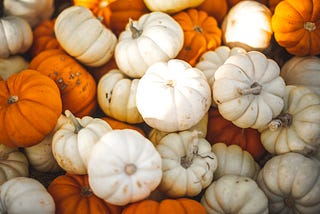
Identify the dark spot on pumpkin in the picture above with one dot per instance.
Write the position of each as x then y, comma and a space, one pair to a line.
233, 22
246, 180
71, 76
84, 88
237, 182
78, 82
187, 48
125, 189
139, 184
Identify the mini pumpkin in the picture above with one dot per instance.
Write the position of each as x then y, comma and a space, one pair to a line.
248, 89
154, 37
11, 65
235, 194
72, 194
25, 195
188, 164
77, 86
296, 26
72, 142
216, 9
171, 6
299, 191
84, 37
116, 95
173, 88
201, 33
29, 102
297, 128
124, 167
247, 25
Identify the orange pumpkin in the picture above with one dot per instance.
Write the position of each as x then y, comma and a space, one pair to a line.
30, 106
216, 9
77, 86
72, 194
296, 26
44, 38
116, 124
272, 4
92, 3
115, 15
98, 72
222, 130
201, 33
168, 206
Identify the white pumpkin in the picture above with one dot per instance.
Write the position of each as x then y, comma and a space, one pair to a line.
248, 90
291, 183
302, 71
72, 142
235, 194
124, 167
173, 96
233, 160
25, 195
40, 156
188, 164
155, 37
13, 163
116, 95
297, 128
11, 65
247, 25
84, 37
16, 36
33, 11
171, 6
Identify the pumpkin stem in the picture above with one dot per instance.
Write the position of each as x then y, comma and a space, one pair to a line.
283, 120
77, 125
13, 99
186, 161
310, 26
130, 169
197, 29
135, 33
86, 191
289, 202
254, 89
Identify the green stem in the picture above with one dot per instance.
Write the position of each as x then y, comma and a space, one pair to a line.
77, 125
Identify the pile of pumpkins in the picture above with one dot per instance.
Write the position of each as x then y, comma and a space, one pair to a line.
145, 106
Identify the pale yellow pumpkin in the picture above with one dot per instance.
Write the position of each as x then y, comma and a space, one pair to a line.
11, 65
171, 6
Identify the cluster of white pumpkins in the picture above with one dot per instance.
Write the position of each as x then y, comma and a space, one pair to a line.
172, 98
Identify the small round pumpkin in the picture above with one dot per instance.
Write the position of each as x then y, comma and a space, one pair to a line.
296, 26
11, 65
179, 205
171, 6
72, 194
77, 86
201, 33
248, 89
84, 37
29, 102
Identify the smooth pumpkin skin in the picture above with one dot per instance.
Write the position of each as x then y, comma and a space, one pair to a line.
201, 33
217, 9
27, 120
43, 38
72, 194
222, 130
117, 124
296, 26
77, 86
179, 205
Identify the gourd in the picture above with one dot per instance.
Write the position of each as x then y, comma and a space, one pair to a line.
72, 194
296, 26
124, 167
11, 65
235, 194
248, 89
302, 71
116, 95
247, 25
171, 6
40, 156
232, 160
84, 37
173, 88
72, 142
154, 37
25, 195
188, 164
33, 11
297, 128
179, 205
201, 33
29, 102
13, 163
299, 191
16, 36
